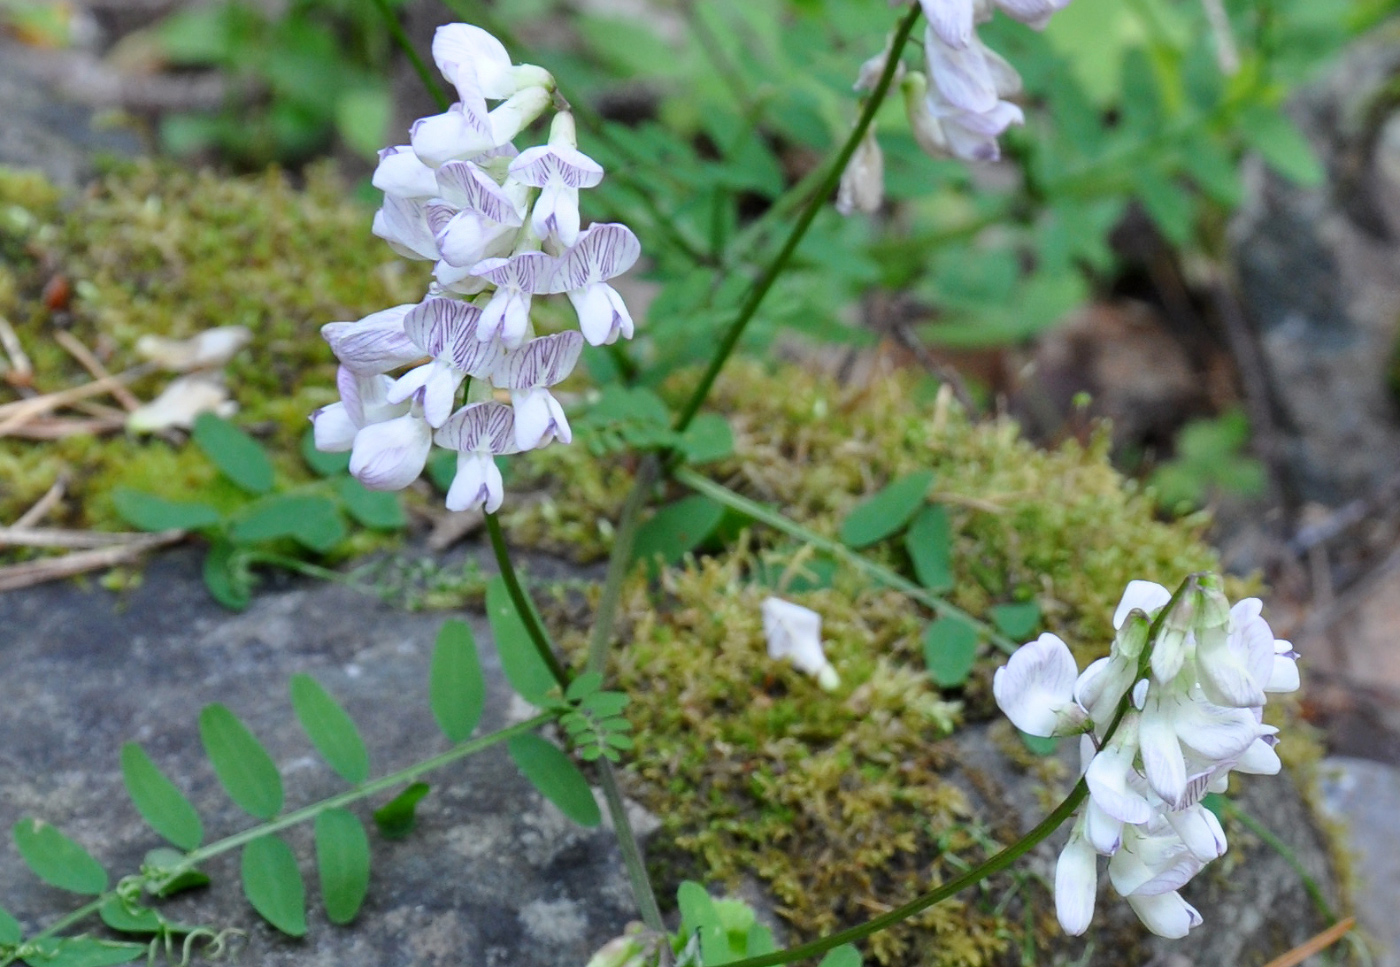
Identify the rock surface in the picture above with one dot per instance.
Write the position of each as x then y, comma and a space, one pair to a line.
493, 874
1364, 796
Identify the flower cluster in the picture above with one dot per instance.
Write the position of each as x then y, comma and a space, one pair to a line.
958, 105
502, 227
1196, 672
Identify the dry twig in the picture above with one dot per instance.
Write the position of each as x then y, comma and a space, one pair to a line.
21, 371
1318, 943
95, 368
58, 537
46, 569
17, 414
46, 503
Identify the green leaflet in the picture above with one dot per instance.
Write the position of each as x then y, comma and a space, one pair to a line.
556, 777
677, 528
396, 818
1016, 620
843, 956
323, 464
330, 728
158, 800
273, 885
884, 514
227, 577
11, 932
310, 520
237, 455
57, 860
243, 766
148, 512
929, 542
522, 664
372, 508
950, 647
456, 689
342, 859
84, 952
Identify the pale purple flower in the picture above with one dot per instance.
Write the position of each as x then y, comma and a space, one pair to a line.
400, 172
390, 455
473, 216
403, 223
472, 58
528, 372
479, 433
1178, 717
461, 132
446, 331
517, 279
363, 400
375, 344
559, 170
603, 252
951, 21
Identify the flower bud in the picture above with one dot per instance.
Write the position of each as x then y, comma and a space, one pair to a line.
863, 182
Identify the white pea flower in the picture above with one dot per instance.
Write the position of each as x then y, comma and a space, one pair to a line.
181, 402
401, 173
460, 133
559, 170
862, 187
403, 223
1165, 914
461, 48
209, 349
363, 400
1110, 776
446, 330
1076, 882
391, 455
473, 217
795, 632
1035, 688
518, 279
375, 344
479, 433
528, 373
1145, 596
603, 251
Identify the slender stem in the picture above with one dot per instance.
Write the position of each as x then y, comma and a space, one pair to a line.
770, 275
401, 38
632, 857
522, 603
765, 515
620, 563
977, 874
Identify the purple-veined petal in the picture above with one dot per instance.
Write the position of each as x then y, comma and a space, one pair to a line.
962, 76
604, 251
454, 135
391, 455
375, 344
529, 272
1076, 885
466, 186
1035, 687
333, 429
541, 362
550, 164
1145, 596
1166, 914
404, 224
488, 427
602, 315
401, 173
446, 329
477, 485
539, 419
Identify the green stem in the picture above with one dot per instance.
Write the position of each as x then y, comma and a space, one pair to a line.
522, 604
620, 563
401, 38
977, 874
765, 515
770, 275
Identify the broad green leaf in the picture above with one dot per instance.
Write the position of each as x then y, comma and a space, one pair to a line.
372, 508
556, 777
714, 946
330, 728
227, 577
677, 528
697, 907
57, 860
11, 932
237, 455
322, 463
929, 542
1271, 133
950, 645
885, 513
843, 956
362, 116
244, 768
759, 941
708, 438
130, 918
522, 664
342, 858
1016, 620
148, 512
273, 885
1040, 745
310, 520
397, 817
584, 686
84, 952
456, 688
1171, 206
158, 800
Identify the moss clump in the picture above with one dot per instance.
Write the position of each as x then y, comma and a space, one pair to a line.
151, 248
843, 805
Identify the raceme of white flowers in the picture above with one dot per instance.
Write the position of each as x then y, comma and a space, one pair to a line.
502, 228
795, 633
958, 106
1198, 679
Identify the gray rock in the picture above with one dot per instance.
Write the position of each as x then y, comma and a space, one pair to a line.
1319, 272
493, 874
1364, 796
